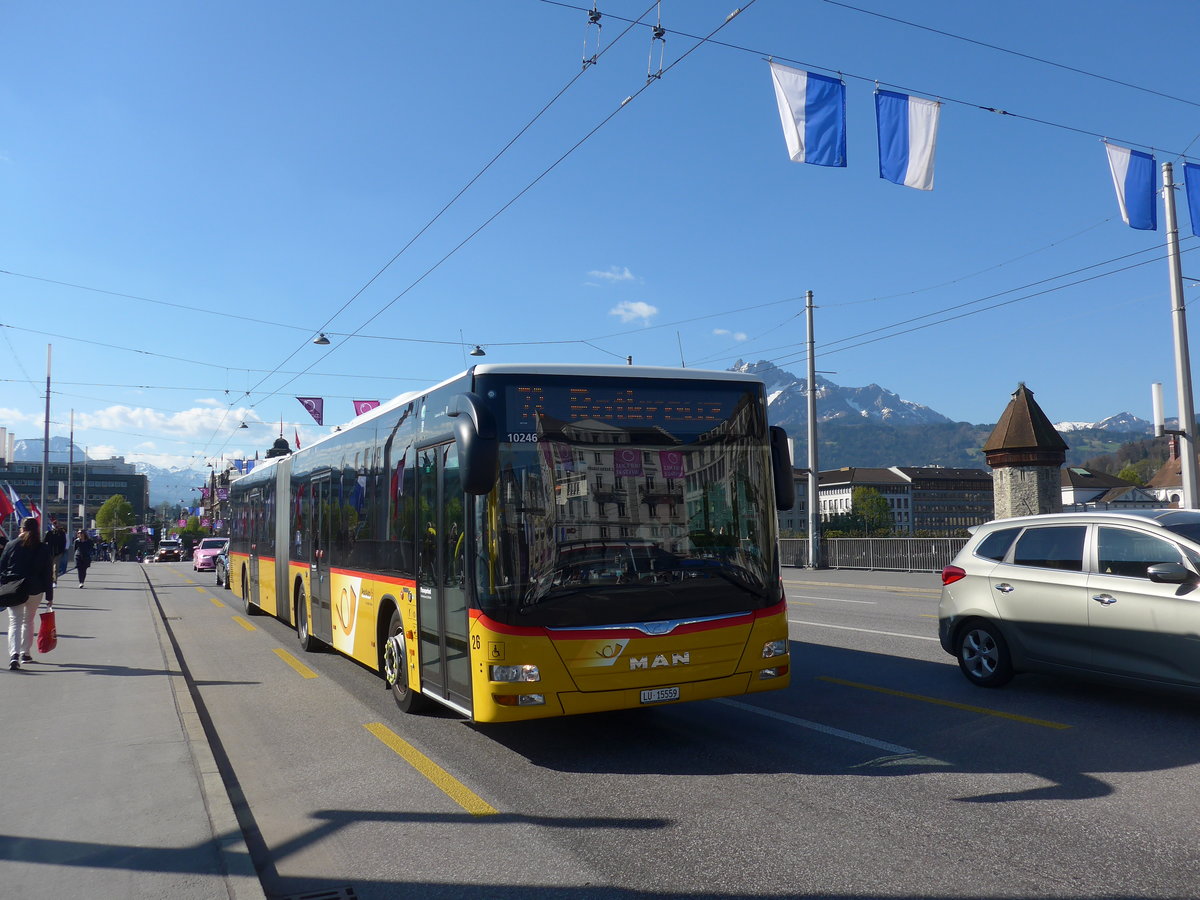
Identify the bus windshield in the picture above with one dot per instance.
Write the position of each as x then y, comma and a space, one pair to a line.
619, 504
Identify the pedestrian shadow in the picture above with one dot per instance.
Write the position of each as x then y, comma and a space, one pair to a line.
100, 669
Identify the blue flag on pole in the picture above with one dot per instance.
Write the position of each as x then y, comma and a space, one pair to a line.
1133, 177
908, 129
812, 109
1191, 178
20, 508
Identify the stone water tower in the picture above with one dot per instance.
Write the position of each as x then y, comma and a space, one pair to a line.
1026, 454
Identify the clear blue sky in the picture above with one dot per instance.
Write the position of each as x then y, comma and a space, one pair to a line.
247, 168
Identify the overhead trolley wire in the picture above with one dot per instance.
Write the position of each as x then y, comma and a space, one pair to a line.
701, 42
447, 206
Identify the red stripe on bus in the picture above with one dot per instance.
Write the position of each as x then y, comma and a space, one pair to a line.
592, 634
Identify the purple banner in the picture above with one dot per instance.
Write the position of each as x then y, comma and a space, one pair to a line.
627, 462
671, 463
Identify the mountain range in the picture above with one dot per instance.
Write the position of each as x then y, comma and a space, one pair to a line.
874, 427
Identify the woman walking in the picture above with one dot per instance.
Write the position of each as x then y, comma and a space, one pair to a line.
83, 555
29, 558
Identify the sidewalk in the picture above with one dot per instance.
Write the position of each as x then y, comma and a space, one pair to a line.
109, 787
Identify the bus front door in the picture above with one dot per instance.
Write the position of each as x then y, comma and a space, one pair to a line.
321, 623
442, 618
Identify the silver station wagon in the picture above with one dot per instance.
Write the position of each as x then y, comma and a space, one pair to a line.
1114, 595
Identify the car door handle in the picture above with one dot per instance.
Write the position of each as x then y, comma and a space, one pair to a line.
1105, 599
1005, 588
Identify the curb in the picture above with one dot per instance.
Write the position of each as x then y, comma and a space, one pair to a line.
240, 876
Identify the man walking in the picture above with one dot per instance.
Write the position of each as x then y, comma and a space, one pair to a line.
56, 541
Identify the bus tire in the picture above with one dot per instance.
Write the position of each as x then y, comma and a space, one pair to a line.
308, 643
251, 609
394, 667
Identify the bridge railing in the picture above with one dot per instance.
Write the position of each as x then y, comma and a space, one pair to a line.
930, 554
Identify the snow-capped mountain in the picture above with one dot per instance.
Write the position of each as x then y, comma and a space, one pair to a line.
30, 450
786, 394
173, 485
1124, 422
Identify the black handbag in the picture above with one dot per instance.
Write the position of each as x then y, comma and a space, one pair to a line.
12, 592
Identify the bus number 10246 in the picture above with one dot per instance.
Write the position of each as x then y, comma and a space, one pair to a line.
521, 438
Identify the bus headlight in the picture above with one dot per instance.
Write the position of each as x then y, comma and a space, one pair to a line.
515, 673
776, 672
775, 648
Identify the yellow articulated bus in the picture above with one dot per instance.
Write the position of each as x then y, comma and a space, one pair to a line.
528, 541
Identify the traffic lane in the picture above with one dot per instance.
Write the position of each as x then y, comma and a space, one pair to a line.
967, 753
332, 801
630, 761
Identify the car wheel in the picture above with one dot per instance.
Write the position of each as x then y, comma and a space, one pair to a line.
395, 668
983, 654
308, 643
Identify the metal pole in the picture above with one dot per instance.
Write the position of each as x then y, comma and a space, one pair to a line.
70, 483
45, 449
814, 531
1183, 365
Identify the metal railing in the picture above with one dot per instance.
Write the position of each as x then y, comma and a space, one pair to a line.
929, 554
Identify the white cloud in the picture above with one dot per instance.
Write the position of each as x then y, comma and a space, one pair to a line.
736, 335
614, 274
630, 311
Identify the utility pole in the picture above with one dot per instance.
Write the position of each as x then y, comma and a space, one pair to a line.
1183, 366
42, 504
814, 519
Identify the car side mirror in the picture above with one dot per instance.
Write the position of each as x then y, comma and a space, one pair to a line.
1169, 573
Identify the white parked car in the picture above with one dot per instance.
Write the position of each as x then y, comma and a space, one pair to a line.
1114, 595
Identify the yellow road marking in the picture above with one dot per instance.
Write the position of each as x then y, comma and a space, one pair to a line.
982, 710
244, 623
443, 780
202, 590
928, 616
305, 671
217, 602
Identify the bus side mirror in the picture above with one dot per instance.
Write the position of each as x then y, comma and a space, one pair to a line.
477, 441
781, 468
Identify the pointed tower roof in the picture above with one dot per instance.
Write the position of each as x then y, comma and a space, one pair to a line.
1024, 436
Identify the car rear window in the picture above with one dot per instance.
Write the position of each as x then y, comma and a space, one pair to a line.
996, 544
1054, 547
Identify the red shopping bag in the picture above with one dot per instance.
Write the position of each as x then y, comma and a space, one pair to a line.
47, 633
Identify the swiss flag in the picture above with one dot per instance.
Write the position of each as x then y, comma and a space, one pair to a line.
6, 506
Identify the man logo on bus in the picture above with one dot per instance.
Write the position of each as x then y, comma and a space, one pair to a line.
644, 662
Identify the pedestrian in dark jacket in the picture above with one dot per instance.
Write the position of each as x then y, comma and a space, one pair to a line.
83, 555
56, 540
26, 556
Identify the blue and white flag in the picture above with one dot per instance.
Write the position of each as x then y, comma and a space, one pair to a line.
908, 129
1191, 179
1133, 177
20, 508
812, 109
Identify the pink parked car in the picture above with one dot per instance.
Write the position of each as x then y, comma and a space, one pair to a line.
205, 555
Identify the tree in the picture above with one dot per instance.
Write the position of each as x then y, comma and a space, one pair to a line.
871, 509
113, 519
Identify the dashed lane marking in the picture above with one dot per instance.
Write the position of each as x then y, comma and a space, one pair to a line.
816, 726
441, 779
244, 623
982, 710
305, 671
919, 637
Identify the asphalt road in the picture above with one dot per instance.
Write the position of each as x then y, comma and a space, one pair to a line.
880, 773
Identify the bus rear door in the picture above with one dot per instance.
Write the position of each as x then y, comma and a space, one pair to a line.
442, 619
321, 494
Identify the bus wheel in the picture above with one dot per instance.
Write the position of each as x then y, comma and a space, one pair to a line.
308, 643
251, 609
395, 668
